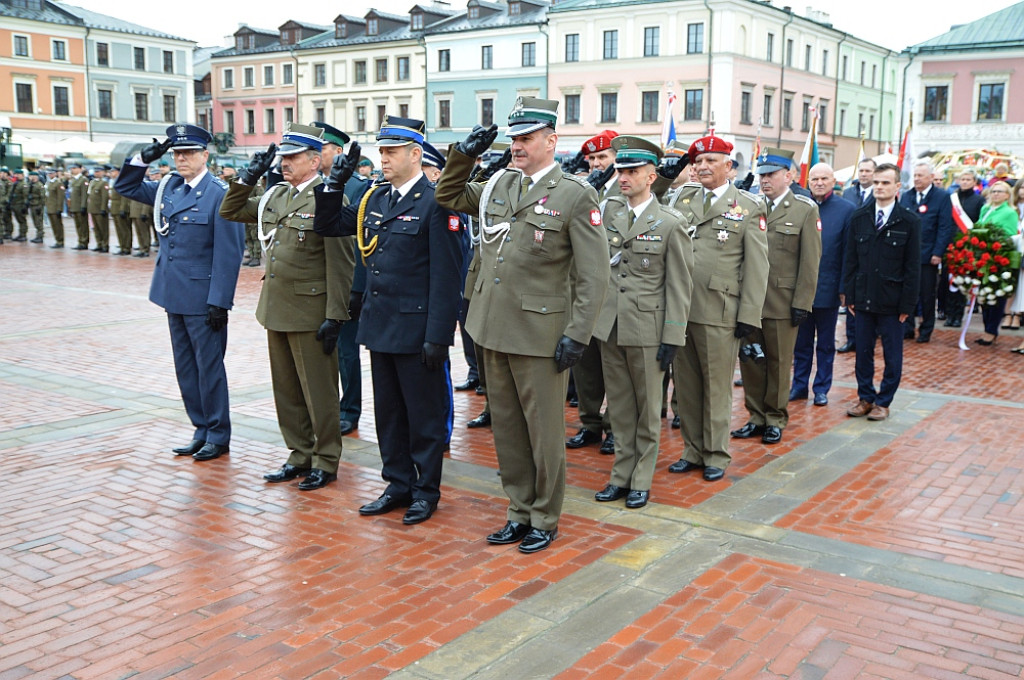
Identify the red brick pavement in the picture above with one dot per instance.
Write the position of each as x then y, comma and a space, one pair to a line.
38, 407
751, 618
948, 489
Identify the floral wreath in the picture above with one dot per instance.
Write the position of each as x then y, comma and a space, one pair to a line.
984, 262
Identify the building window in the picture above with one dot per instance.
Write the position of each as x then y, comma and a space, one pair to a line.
402, 64
745, 98
649, 107
229, 79
652, 39
486, 112
874, 74
766, 112
318, 113
381, 114
203, 122
23, 94
822, 116
513, 8
770, 51
139, 58
250, 122
572, 108
444, 60
372, 26
286, 74
360, 119
609, 107
990, 101
805, 116
417, 22
444, 113
694, 38
341, 30
403, 110
289, 114
842, 121
268, 76
60, 50
694, 106
611, 45
863, 70
572, 47
170, 108
248, 76
141, 106
845, 64
319, 75
168, 61
787, 112
789, 53
21, 46
860, 125
529, 54
807, 57
935, 100
486, 57
380, 70
871, 124
102, 54
268, 120
229, 122
359, 77
105, 103
474, 12
824, 62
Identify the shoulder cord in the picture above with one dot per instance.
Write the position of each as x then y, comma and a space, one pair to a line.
365, 249
157, 222
266, 239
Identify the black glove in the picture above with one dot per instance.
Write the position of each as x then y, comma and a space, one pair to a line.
575, 164
355, 305
568, 352
478, 141
672, 166
502, 162
797, 316
598, 178
474, 173
666, 353
328, 334
342, 168
746, 182
104, 213
216, 318
258, 166
743, 330
155, 150
123, 214
434, 356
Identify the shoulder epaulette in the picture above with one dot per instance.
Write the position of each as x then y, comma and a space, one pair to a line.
221, 183
808, 201
694, 185
746, 194
582, 181
672, 211
615, 199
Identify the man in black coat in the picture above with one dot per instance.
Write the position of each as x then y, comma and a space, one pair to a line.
881, 285
859, 193
971, 201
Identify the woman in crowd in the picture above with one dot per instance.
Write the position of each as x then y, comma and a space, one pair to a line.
999, 215
1016, 305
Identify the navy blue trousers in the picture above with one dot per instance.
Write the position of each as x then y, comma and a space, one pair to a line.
820, 324
351, 404
199, 366
890, 330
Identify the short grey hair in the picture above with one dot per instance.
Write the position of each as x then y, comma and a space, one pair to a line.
925, 163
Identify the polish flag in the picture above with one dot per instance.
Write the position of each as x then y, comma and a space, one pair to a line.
809, 156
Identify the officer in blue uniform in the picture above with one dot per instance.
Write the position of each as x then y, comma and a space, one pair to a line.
413, 261
194, 277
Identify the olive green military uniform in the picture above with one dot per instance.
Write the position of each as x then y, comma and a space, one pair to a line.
77, 205
794, 251
147, 223
252, 236
139, 226
647, 304
119, 211
36, 205
54, 203
98, 207
308, 279
730, 277
522, 305
20, 200
6, 224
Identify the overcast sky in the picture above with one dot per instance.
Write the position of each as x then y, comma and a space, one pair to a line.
895, 25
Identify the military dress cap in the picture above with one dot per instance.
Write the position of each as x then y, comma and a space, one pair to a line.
298, 138
632, 152
365, 163
108, 167
771, 160
432, 156
395, 131
531, 114
600, 141
709, 144
496, 151
332, 135
185, 136
677, 148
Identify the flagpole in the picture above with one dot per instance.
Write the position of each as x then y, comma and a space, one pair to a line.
757, 143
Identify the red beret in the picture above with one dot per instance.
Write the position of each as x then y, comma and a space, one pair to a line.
709, 144
599, 142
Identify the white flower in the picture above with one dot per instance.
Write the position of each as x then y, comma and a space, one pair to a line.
993, 278
1006, 275
1000, 292
958, 280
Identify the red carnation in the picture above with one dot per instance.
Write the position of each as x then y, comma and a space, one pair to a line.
997, 245
993, 269
974, 241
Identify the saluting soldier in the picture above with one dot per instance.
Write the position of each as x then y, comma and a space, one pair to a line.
794, 251
119, 211
538, 224
303, 303
730, 276
77, 205
54, 203
97, 204
643, 319
19, 202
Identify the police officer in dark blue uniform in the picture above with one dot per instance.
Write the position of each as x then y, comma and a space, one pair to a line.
194, 277
411, 249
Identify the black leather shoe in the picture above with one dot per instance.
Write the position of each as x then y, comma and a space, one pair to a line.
675, 423
537, 540
850, 346
956, 323
141, 253
316, 479
908, 335
286, 473
738, 382
80, 247
713, 474
608, 445
189, 448
57, 245
347, 426
481, 390
419, 511
470, 384
583, 438
19, 239
610, 493
924, 338
36, 240
637, 499
683, 466
772, 434
796, 395
386, 503
210, 451
482, 420
747, 431
820, 400
512, 532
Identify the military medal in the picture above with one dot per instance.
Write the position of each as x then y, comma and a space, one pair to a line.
539, 209
538, 236
645, 263
615, 240
723, 235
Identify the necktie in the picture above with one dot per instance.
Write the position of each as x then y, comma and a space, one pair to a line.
771, 206
880, 220
393, 198
632, 218
708, 198
187, 189
524, 186
920, 198
864, 196
295, 194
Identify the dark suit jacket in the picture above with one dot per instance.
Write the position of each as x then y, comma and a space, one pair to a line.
883, 273
936, 215
852, 194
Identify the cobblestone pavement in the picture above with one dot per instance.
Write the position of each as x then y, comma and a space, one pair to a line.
850, 550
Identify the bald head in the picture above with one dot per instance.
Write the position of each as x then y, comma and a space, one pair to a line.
821, 180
